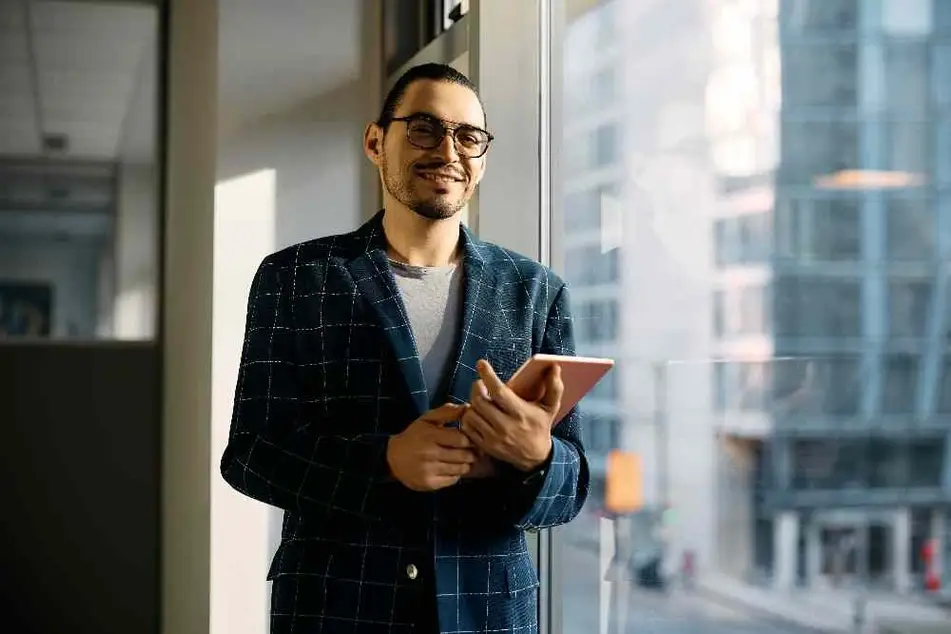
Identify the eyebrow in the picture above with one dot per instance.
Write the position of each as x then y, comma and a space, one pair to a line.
423, 113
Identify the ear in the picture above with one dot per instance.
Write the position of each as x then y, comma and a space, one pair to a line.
373, 142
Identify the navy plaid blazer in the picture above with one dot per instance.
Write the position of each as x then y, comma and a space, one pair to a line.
329, 371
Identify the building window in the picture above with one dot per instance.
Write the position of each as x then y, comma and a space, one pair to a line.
819, 74
926, 461
811, 149
601, 434
597, 321
589, 266
909, 147
829, 386
908, 304
817, 307
901, 381
741, 386
907, 78
743, 240
944, 399
836, 230
739, 311
606, 143
583, 208
821, 15
910, 229
829, 464
941, 75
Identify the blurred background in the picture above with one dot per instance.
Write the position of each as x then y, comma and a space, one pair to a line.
750, 200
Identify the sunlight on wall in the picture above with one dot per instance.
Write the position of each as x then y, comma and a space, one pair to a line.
240, 549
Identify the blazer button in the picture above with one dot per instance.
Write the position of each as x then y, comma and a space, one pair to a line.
411, 571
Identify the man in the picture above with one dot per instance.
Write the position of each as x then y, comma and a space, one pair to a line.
370, 402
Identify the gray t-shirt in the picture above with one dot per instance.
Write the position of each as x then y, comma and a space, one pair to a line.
433, 298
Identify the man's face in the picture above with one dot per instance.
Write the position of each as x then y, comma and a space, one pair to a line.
435, 183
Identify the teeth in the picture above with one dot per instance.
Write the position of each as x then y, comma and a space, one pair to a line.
438, 178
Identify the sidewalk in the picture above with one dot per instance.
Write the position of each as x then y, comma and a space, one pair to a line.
830, 612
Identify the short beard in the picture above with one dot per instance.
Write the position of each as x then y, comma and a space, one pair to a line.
431, 210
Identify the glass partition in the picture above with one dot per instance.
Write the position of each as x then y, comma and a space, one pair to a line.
79, 173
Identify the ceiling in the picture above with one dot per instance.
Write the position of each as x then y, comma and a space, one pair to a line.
69, 68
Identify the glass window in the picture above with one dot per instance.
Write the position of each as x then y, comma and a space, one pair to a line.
821, 74
901, 381
907, 74
588, 265
941, 12
830, 464
603, 86
817, 307
606, 145
597, 321
909, 147
927, 457
79, 185
888, 463
910, 232
836, 230
941, 75
602, 433
944, 400
816, 16
908, 304
790, 310
812, 148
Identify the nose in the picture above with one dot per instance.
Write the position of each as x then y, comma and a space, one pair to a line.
447, 148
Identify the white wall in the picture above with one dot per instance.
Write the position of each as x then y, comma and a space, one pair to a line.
298, 81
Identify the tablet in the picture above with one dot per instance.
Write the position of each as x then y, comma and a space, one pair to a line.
579, 374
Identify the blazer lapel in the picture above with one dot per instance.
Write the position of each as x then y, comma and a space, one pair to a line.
479, 311
376, 285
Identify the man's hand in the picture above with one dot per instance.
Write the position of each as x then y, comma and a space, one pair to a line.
510, 428
428, 456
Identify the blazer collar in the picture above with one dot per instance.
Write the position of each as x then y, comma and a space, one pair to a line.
370, 269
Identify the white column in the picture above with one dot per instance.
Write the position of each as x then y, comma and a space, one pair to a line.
901, 550
187, 461
785, 541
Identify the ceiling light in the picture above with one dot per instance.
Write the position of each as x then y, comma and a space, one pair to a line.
869, 179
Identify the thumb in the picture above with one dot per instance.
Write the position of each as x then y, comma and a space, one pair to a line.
554, 390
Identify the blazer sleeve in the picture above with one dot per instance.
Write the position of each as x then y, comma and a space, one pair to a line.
556, 497
272, 455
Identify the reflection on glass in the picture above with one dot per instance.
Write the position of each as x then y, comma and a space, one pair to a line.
774, 296
78, 173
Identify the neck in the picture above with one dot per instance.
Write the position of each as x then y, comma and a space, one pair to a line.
418, 241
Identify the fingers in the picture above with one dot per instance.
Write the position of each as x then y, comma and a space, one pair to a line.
497, 391
455, 456
450, 438
554, 389
476, 428
444, 414
451, 470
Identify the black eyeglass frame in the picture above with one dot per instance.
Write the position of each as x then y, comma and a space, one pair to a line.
447, 128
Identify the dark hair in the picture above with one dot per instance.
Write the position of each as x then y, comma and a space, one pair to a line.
430, 71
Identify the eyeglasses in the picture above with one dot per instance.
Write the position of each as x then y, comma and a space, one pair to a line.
426, 133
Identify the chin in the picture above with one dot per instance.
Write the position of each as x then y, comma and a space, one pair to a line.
436, 211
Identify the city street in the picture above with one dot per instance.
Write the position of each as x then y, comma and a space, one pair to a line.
649, 612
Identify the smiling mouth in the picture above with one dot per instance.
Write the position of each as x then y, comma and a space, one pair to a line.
439, 178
